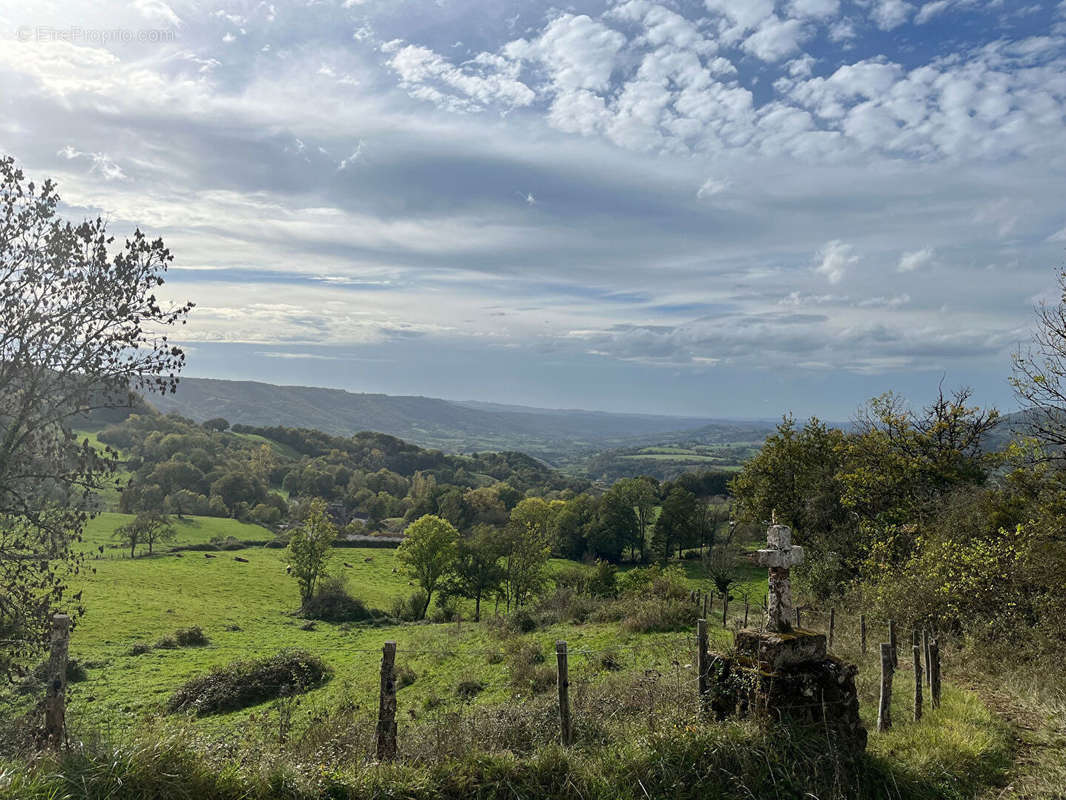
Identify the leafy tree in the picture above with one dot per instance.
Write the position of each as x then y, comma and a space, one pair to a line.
643, 495
528, 543
216, 424
79, 327
309, 549
676, 524
477, 567
428, 553
149, 527
615, 527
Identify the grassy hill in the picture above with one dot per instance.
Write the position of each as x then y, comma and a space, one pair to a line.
431, 422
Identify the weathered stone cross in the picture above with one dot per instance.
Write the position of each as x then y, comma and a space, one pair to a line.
780, 554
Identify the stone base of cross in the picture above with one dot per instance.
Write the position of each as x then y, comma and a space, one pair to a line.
779, 556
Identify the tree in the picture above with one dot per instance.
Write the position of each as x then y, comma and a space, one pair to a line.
615, 526
148, 528
677, 522
428, 553
1039, 375
216, 424
80, 329
528, 538
643, 495
309, 549
477, 567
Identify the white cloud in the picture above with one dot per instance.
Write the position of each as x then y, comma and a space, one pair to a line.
775, 38
357, 153
713, 186
577, 51
482, 81
916, 259
930, 10
102, 164
157, 11
746, 14
890, 14
834, 260
819, 9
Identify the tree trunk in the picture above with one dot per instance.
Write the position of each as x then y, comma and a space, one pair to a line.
477, 608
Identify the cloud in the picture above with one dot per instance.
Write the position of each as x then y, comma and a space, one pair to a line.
775, 38
711, 187
915, 259
890, 14
819, 9
102, 164
930, 10
834, 260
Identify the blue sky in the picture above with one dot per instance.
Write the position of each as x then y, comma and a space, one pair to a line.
719, 208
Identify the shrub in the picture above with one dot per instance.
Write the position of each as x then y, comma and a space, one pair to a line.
140, 648
247, 683
409, 608
405, 676
657, 615
332, 603
227, 543
469, 689
191, 637
522, 621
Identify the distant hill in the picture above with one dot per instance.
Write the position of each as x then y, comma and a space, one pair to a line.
430, 422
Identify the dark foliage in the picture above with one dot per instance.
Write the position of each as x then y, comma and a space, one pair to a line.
248, 683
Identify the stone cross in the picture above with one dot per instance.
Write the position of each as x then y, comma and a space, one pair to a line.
780, 555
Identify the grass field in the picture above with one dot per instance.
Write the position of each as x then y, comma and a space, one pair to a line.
246, 610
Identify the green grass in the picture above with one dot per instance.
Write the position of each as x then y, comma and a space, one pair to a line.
100, 530
246, 610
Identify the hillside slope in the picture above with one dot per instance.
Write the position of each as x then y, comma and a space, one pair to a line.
427, 421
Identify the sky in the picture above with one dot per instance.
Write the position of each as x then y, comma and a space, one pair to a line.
727, 208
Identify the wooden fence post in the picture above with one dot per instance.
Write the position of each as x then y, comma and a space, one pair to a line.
925, 650
798, 624
892, 641
862, 633
702, 663
884, 709
917, 649
832, 625
706, 600
745, 612
565, 728
386, 731
55, 708
934, 667
725, 607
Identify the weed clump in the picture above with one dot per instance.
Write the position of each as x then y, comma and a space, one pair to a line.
248, 683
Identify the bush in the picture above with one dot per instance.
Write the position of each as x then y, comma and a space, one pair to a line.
469, 689
667, 583
332, 603
409, 608
248, 683
140, 648
522, 621
227, 543
405, 676
191, 637
658, 615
